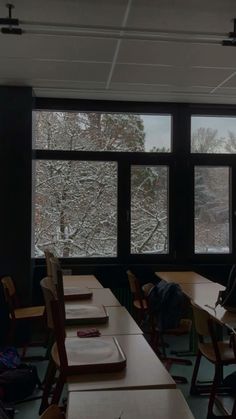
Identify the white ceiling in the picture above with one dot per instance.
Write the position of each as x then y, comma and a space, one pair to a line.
154, 50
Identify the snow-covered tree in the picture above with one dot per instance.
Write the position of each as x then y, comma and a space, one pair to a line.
76, 201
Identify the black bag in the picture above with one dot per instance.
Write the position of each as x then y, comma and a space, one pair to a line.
165, 302
227, 298
18, 383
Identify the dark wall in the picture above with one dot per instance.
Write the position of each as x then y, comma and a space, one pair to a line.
15, 175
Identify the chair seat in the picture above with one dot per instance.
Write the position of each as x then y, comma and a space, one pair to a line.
226, 353
138, 304
29, 312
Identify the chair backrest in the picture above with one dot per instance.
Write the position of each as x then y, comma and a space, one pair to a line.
201, 321
8, 285
60, 334
55, 317
135, 288
52, 412
49, 293
57, 279
206, 328
10, 294
48, 256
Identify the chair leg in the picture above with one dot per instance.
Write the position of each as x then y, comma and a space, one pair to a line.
48, 382
234, 409
58, 389
193, 389
215, 383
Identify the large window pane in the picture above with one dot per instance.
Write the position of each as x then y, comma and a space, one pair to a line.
211, 209
93, 131
149, 209
76, 208
213, 134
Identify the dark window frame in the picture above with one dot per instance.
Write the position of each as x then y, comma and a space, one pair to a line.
180, 162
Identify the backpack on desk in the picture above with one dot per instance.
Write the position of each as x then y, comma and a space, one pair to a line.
227, 298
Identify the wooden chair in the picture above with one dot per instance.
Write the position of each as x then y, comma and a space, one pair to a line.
48, 255
18, 313
68, 355
219, 353
139, 301
53, 412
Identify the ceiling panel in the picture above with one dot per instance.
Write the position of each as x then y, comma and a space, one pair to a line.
122, 49
183, 15
169, 75
72, 12
57, 48
28, 69
178, 54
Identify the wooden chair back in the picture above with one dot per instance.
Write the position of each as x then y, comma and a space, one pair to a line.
201, 319
52, 412
48, 256
56, 320
10, 294
49, 293
206, 328
135, 288
57, 279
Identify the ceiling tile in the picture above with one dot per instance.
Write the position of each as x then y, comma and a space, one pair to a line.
73, 12
168, 75
17, 69
57, 48
184, 15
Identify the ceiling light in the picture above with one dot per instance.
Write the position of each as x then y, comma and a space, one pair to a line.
231, 42
10, 22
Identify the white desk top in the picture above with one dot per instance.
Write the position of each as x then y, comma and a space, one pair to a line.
89, 281
143, 370
101, 296
120, 322
183, 277
131, 404
202, 292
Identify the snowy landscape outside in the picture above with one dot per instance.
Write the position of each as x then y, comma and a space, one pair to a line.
76, 201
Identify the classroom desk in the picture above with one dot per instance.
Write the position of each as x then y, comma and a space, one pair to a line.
203, 293
101, 296
131, 404
120, 322
183, 277
143, 370
80, 281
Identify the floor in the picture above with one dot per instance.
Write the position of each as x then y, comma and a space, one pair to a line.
197, 404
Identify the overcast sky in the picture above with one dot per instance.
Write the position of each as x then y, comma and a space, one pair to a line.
158, 128
157, 131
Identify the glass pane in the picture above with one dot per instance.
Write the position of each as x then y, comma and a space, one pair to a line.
76, 208
149, 209
90, 131
213, 134
212, 210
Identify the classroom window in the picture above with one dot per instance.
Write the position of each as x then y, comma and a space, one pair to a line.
76, 208
95, 131
149, 209
213, 134
212, 219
